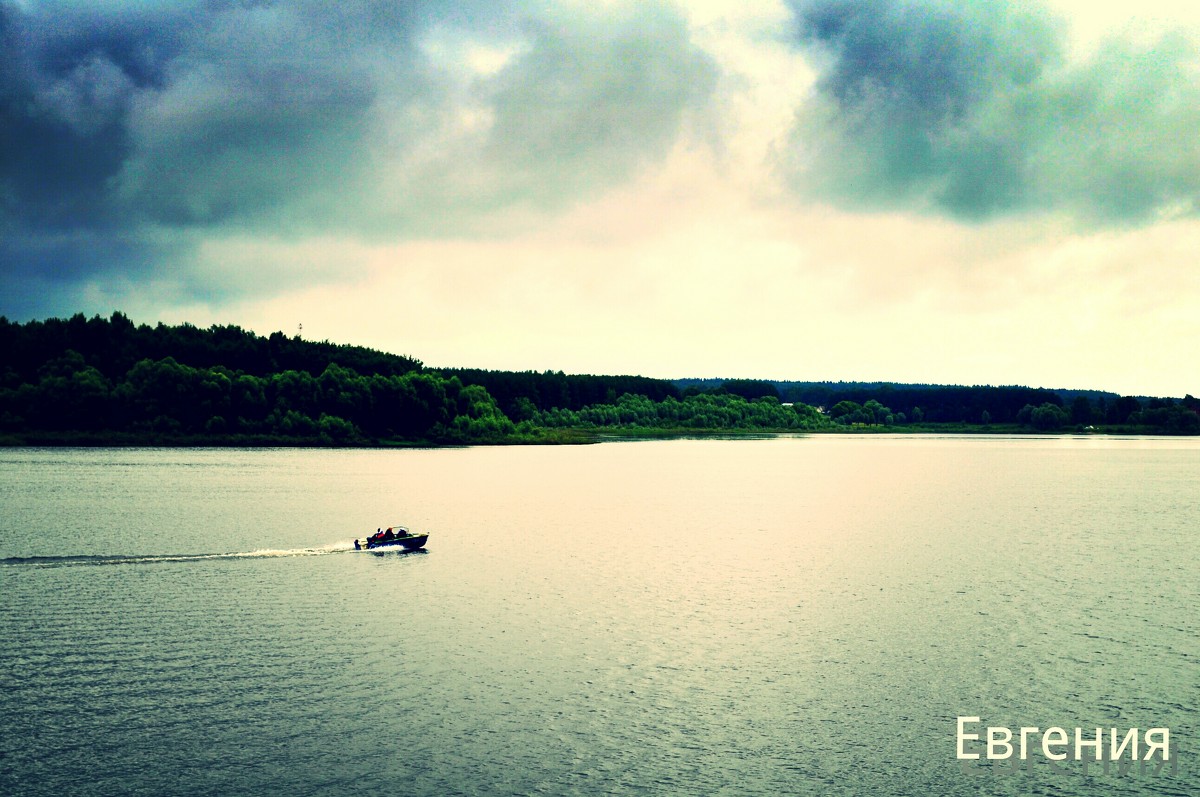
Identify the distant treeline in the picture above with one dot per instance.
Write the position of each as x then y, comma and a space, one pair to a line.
1037, 408
107, 380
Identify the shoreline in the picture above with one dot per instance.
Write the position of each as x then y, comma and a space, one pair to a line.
555, 436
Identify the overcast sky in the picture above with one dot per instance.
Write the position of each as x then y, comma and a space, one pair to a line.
925, 191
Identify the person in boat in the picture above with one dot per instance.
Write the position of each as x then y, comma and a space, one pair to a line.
357, 547
388, 536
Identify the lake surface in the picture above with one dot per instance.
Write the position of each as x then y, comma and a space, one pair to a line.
743, 617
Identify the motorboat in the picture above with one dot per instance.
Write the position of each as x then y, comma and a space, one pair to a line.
392, 537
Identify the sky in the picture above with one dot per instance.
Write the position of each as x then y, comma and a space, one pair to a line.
996, 192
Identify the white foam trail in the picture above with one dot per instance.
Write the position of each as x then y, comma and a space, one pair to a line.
261, 553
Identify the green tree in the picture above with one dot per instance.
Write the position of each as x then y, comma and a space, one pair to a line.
162, 395
1048, 417
1081, 410
70, 395
845, 411
294, 390
343, 393
335, 430
248, 402
876, 412
1120, 410
808, 417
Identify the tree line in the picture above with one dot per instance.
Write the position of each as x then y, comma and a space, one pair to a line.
704, 411
165, 400
109, 380
113, 345
1040, 409
516, 391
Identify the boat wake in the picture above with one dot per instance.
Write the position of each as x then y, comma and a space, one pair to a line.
79, 560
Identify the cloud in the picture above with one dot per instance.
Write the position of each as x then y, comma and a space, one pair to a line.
982, 110
135, 133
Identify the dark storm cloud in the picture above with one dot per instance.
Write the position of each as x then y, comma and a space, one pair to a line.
975, 110
130, 131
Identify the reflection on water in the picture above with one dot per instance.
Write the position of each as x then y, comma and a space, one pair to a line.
396, 552
793, 615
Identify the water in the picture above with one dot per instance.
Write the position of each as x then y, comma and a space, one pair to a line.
779, 616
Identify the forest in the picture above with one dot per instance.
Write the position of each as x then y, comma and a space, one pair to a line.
109, 381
